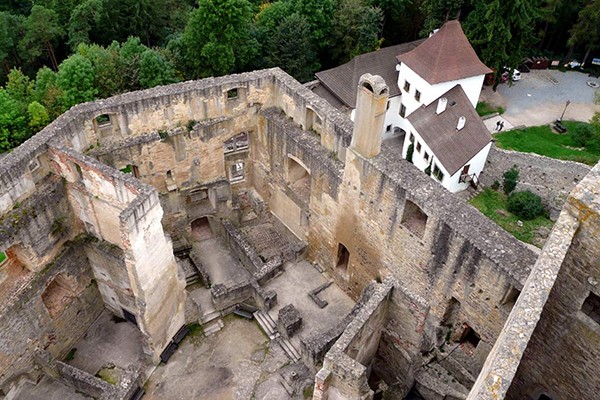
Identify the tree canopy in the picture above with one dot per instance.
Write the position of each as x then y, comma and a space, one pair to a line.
56, 53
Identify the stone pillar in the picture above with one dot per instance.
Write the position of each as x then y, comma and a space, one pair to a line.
371, 105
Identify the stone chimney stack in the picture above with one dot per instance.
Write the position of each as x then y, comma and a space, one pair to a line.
461, 123
441, 107
371, 104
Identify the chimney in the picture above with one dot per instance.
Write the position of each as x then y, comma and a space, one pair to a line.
441, 107
461, 123
371, 104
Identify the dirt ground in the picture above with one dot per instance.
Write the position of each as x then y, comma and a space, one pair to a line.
235, 363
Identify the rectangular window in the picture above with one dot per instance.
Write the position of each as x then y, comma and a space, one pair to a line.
388, 128
438, 173
232, 94
417, 95
387, 106
34, 165
411, 137
238, 142
406, 86
236, 172
402, 110
418, 147
426, 156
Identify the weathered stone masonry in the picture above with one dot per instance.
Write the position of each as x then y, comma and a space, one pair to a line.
450, 276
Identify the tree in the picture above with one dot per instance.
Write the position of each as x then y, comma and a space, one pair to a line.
48, 93
38, 116
502, 31
11, 32
290, 48
586, 31
525, 205
439, 11
403, 20
20, 88
83, 19
42, 29
511, 177
76, 79
155, 70
13, 123
217, 38
355, 29
110, 74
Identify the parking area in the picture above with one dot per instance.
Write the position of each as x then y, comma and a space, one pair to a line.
540, 97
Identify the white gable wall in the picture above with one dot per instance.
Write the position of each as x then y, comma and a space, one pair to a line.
476, 164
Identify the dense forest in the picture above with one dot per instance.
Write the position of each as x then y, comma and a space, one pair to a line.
57, 53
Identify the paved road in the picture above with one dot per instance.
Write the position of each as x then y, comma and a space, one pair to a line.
540, 97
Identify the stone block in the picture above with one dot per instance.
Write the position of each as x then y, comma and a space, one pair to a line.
289, 320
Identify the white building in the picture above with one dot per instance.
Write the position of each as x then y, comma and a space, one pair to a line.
432, 106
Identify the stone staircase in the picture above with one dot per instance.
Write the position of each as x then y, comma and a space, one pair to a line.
269, 326
211, 322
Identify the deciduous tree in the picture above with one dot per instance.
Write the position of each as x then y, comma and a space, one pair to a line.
76, 79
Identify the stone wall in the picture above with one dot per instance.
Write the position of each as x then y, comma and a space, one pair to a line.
344, 373
52, 310
551, 179
562, 358
363, 218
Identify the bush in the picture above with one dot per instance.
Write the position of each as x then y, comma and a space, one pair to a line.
525, 205
511, 177
582, 134
409, 152
496, 185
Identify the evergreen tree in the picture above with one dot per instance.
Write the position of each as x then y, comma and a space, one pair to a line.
355, 29
42, 32
291, 49
502, 31
586, 31
439, 11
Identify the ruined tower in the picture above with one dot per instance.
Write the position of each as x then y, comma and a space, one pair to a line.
371, 104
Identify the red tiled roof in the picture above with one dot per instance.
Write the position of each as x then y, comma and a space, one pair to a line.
453, 148
445, 56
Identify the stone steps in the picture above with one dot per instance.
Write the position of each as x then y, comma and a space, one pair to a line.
210, 316
213, 327
267, 324
289, 349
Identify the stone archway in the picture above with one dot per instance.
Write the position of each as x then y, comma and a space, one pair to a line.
201, 229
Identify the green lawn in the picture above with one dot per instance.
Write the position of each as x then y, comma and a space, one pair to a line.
542, 140
2, 257
493, 205
484, 109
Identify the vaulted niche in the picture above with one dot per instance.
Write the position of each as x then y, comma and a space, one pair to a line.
298, 179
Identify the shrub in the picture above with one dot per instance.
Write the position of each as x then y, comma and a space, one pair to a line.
409, 152
525, 205
511, 177
582, 134
496, 185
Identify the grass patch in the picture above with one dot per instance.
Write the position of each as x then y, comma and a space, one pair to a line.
543, 141
195, 329
2, 257
126, 170
108, 374
484, 109
493, 205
